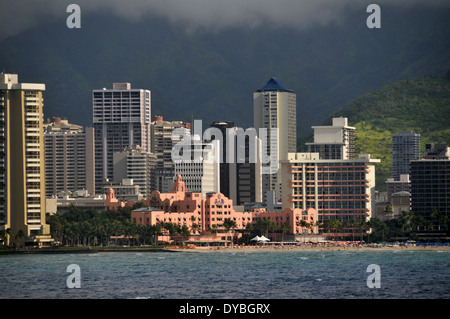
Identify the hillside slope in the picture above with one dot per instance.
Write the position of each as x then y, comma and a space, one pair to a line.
418, 105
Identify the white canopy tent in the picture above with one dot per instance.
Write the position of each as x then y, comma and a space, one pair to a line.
260, 239
257, 238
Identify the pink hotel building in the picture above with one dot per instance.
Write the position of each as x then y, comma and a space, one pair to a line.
188, 208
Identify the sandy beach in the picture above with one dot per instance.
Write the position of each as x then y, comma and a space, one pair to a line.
307, 248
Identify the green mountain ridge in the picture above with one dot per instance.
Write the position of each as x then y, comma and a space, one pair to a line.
418, 105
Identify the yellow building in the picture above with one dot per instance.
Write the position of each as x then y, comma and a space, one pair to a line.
22, 180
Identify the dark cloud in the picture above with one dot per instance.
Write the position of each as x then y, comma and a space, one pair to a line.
18, 15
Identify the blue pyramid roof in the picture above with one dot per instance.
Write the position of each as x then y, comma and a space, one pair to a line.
274, 85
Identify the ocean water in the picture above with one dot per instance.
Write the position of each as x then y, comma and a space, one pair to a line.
229, 274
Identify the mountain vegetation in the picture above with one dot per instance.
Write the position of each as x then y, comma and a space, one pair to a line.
418, 105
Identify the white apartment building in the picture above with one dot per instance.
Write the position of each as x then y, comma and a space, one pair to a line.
336, 141
135, 164
200, 172
122, 118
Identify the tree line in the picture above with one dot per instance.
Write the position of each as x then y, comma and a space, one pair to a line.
91, 227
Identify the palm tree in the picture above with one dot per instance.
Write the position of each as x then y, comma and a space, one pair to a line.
441, 218
406, 220
195, 227
6, 234
352, 224
380, 228
214, 228
285, 227
229, 224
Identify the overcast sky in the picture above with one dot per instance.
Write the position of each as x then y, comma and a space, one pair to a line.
19, 15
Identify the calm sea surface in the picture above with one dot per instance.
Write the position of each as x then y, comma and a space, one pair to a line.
229, 274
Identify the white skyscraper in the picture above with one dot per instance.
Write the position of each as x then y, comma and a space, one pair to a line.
122, 118
200, 170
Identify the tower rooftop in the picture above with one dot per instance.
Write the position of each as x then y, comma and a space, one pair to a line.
274, 85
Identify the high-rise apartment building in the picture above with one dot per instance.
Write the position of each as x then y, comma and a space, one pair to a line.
136, 164
224, 166
430, 184
199, 167
240, 171
69, 157
162, 144
122, 118
334, 142
274, 107
336, 189
22, 172
405, 148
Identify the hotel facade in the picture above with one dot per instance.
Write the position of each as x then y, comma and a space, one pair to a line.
336, 189
202, 216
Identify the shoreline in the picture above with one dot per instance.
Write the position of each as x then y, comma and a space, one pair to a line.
220, 249
294, 248
82, 251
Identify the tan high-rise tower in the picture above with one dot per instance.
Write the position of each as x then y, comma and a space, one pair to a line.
22, 172
274, 107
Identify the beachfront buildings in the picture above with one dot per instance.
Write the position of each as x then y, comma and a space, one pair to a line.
121, 118
336, 141
186, 208
69, 158
335, 188
22, 171
203, 216
274, 109
430, 186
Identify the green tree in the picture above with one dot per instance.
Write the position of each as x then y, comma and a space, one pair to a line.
229, 224
285, 227
380, 229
